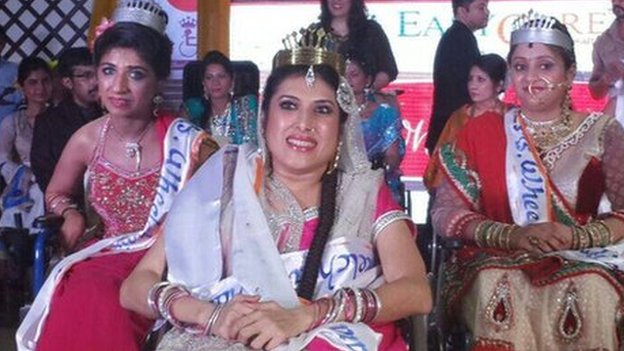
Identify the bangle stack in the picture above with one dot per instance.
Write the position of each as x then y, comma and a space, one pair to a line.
160, 299
593, 234
59, 204
494, 234
351, 305
167, 295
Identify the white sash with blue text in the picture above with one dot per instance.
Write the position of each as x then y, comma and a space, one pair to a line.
529, 193
174, 173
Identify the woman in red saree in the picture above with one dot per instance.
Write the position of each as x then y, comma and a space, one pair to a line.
541, 268
485, 83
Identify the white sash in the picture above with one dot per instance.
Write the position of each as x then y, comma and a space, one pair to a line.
529, 193
174, 173
249, 259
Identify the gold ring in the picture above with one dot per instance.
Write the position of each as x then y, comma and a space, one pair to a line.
534, 241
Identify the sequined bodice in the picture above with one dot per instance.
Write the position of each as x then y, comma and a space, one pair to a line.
121, 199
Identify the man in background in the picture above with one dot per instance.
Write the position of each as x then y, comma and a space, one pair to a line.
456, 53
607, 77
54, 128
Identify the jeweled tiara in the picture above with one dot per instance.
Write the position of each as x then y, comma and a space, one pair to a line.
145, 12
533, 27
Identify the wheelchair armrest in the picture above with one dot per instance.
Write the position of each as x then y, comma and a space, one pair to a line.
48, 222
451, 244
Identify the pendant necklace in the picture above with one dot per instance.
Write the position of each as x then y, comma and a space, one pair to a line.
132, 148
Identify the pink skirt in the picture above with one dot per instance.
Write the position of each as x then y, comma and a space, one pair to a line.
85, 313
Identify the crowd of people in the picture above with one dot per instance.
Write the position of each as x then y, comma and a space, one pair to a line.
275, 219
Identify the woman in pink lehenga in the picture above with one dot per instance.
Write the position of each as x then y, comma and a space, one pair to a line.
133, 160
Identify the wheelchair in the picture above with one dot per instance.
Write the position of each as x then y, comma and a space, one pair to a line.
27, 259
431, 332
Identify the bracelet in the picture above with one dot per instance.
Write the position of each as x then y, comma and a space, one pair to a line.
212, 319
153, 294
57, 203
168, 295
69, 207
494, 234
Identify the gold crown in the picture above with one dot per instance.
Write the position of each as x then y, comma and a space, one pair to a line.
309, 47
145, 12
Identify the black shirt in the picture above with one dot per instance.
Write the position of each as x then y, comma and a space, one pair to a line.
457, 52
51, 133
371, 43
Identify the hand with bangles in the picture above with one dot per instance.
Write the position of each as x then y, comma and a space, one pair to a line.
542, 237
74, 223
73, 227
270, 325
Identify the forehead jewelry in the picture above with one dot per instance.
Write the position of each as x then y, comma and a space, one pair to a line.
310, 77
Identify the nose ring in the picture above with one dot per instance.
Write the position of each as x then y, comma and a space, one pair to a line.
308, 129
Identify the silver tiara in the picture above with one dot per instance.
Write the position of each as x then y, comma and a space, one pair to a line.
535, 28
145, 12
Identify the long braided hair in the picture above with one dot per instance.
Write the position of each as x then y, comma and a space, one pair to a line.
329, 182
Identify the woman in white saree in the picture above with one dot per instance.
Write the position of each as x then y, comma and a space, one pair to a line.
298, 245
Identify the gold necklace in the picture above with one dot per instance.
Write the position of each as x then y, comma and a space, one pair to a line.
547, 134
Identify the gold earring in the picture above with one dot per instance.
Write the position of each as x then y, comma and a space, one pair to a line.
332, 167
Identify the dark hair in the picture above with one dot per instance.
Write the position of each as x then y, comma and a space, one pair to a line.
461, 3
29, 65
494, 65
329, 182
152, 47
568, 56
362, 61
215, 57
358, 15
72, 57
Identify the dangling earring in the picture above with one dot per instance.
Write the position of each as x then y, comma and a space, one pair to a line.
157, 101
332, 167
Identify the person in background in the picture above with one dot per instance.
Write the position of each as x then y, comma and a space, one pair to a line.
456, 53
56, 126
22, 195
486, 82
260, 269
227, 118
541, 267
607, 78
347, 23
10, 96
133, 161
381, 125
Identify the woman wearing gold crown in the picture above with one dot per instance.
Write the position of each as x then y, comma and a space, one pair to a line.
133, 160
542, 266
299, 246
